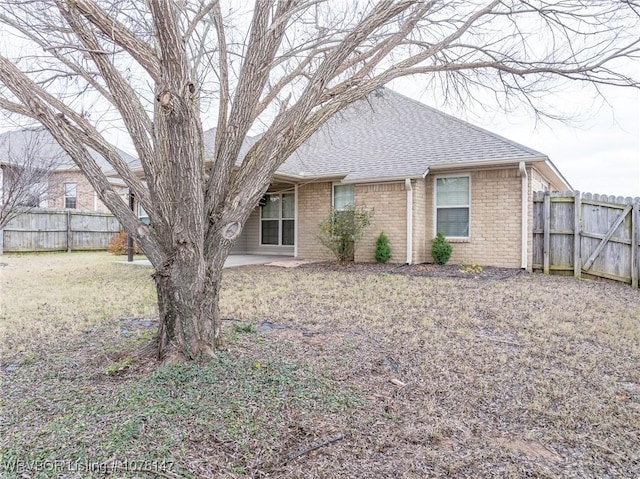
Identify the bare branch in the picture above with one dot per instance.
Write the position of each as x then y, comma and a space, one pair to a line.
120, 35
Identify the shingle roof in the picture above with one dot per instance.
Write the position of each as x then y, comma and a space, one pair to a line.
209, 140
389, 135
37, 145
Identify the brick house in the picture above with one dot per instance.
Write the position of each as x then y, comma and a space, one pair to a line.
422, 171
66, 186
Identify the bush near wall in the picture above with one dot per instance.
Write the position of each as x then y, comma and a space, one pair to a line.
118, 245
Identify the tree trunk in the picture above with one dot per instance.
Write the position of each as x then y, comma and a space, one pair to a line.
188, 292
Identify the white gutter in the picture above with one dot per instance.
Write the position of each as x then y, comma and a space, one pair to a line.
295, 220
381, 179
525, 213
497, 162
409, 215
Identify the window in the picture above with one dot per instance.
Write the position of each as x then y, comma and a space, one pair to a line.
343, 196
70, 195
453, 198
277, 220
143, 215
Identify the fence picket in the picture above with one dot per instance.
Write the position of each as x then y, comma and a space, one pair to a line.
601, 237
44, 229
577, 224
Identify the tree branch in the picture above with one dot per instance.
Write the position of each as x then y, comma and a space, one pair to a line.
121, 35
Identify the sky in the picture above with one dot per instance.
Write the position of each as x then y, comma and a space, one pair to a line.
597, 150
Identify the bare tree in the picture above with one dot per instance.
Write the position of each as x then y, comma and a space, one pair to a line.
27, 166
157, 68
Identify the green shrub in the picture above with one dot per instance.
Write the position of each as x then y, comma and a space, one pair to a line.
441, 249
383, 250
341, 231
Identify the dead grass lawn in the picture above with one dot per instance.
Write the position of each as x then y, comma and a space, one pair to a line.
325, 374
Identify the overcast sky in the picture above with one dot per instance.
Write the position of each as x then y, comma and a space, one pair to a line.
598, 151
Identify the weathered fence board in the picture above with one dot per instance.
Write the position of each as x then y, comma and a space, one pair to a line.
58, 230
590, 234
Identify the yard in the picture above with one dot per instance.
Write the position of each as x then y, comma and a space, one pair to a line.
363, 373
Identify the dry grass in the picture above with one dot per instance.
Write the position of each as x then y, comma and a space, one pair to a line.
47, 298
366, 375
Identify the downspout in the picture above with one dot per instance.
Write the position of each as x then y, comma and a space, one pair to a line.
409, 215
295, 221
525, 214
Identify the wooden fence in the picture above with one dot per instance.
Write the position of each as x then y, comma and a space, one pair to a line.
58, 230
597, 235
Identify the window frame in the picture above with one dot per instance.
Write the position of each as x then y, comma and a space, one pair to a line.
280, 219
333, 194
436, 207
68, 197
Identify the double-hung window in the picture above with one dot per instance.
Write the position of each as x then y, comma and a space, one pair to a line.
343, 196
71, 195
453, 200
277, 219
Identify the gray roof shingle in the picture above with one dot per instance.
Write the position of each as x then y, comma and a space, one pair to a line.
389, 135
37, 147
386, 135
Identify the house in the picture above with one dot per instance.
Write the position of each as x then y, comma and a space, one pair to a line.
63, 186
422, 171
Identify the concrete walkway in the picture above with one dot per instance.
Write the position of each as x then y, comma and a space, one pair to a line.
237, 260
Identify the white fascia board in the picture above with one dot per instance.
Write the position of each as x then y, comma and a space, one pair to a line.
381, 179
566, 185
498, 162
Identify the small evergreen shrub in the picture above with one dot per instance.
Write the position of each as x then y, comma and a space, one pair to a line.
441, 249
118, 245
383, 250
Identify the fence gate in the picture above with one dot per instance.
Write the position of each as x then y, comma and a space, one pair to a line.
590, 234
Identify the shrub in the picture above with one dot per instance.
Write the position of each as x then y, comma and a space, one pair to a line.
383, 250
471, 267
118, 245
341, 231
441, 249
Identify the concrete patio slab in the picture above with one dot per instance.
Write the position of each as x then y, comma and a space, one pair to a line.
241, 260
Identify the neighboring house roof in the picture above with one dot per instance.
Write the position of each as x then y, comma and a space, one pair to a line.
209, 140
389, 135
36, 147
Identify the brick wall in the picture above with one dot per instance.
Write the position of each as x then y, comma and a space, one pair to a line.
421, 213
314, 205
389, 204
495, 219
86, 197
388, 200
537, 181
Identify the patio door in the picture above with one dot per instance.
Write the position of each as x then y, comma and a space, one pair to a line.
277, 220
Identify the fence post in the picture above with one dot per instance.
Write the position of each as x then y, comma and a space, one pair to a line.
577, 228
547, 232
68, 231
635, 243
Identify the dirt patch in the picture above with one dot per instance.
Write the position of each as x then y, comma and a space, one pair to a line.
531, 449
464, 271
